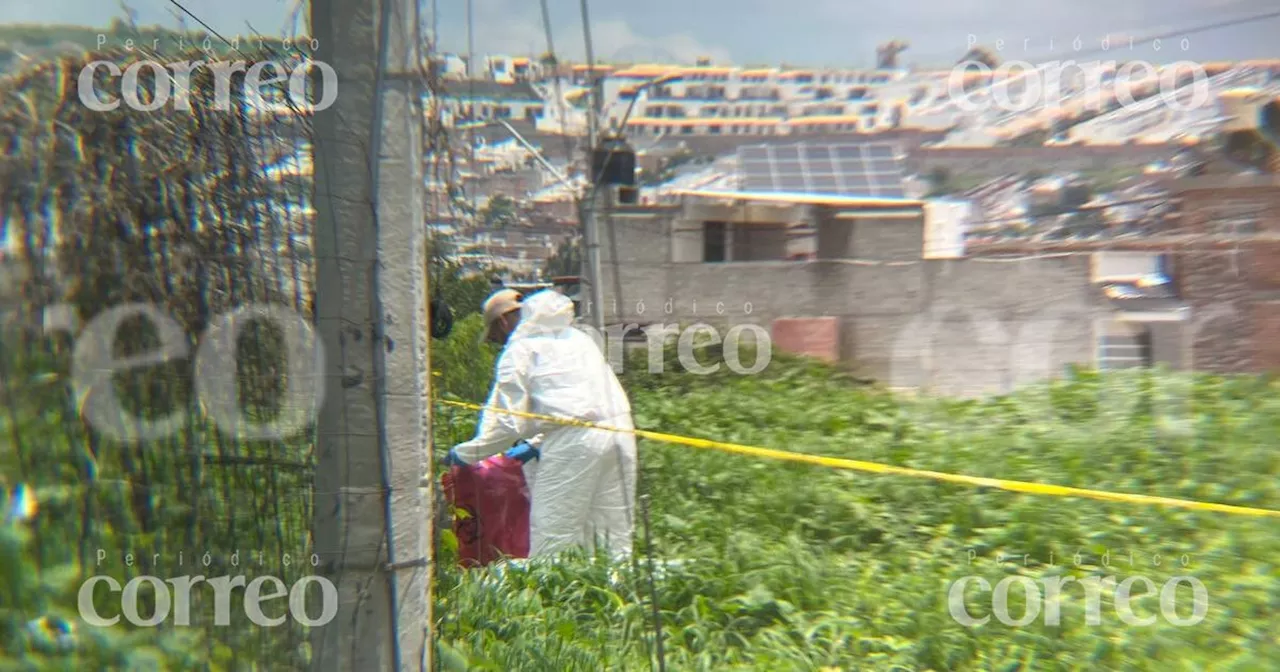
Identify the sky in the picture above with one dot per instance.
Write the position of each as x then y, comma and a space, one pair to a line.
799, 32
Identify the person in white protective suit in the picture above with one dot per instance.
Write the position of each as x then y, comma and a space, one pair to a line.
583, 482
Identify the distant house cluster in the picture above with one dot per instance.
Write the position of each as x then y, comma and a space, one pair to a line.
701, 100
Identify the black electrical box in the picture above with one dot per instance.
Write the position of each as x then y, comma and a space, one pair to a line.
628, 195
613, 162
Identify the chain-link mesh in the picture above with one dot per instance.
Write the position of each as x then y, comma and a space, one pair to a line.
196, 214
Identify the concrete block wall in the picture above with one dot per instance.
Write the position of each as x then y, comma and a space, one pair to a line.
1168, 344
998, 325
759, 242
988, 325
888, 239
954, 326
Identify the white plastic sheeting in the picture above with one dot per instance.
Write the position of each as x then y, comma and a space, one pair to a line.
946, 222
583, 486
1125, 266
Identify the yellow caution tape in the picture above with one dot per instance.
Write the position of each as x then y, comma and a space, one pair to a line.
877, 468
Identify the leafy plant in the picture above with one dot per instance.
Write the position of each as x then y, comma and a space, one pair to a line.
777, 566
500, 211
172, 209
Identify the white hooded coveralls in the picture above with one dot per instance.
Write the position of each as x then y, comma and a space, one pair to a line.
583, 486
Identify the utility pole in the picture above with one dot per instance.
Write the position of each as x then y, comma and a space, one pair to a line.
592, 103
471, 112
435, 26
590, 222
591, 237
371, 517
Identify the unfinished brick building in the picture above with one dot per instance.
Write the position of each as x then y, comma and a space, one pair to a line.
1233, 277
1222, 254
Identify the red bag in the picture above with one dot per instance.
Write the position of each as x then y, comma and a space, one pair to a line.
495, 497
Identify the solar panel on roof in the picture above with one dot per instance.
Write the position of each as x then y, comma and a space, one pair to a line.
881, 151
821, 165
792, 183
868, 170
816, 152
854, 151
791, 153
825, 184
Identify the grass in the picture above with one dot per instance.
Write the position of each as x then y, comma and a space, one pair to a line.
794, 567
763, 565
162, 505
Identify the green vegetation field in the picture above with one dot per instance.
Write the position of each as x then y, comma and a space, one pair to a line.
760, 565
764, 565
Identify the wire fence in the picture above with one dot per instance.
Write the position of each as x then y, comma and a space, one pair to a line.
107, 431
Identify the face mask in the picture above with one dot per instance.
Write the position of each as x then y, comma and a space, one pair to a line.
502, 330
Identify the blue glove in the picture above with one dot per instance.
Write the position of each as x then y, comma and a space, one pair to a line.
523, 452
452, 459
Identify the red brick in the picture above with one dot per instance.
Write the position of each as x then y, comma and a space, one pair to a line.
1211, 283
1264, 266
1266, 324
817, 337
1242, 278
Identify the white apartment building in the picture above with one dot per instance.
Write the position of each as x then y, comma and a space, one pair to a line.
711, 100
511, 69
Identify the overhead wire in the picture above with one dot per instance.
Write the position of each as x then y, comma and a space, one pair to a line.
592, 107
471, 105
588, 204
299, 115
557, 89
562, 110
1182, 32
